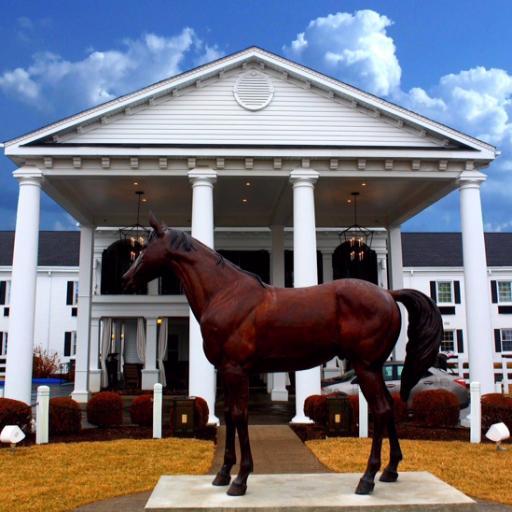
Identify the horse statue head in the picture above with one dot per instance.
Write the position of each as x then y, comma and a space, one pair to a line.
151, 259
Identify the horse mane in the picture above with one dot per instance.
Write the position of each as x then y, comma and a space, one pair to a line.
181, 240
222, 261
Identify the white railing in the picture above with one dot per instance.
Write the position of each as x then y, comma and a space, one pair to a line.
157, 411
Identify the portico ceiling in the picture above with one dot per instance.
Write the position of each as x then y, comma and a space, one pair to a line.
246, 200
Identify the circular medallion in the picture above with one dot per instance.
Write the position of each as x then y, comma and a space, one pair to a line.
253, 90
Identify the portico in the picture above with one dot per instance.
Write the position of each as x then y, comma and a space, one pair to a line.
219, 163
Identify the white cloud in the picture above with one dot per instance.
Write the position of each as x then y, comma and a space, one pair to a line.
104, 75
354, 47
19, 83
476, 100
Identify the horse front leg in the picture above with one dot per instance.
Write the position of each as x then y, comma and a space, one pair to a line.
238, 382
374, 389
223, 477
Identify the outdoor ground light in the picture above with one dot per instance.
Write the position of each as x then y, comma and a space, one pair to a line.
12, 434
497, 433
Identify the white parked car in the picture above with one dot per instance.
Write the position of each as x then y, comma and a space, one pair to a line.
434, 378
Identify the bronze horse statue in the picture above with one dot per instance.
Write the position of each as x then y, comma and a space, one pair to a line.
249, 326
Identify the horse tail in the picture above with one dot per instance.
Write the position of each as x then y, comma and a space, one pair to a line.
425, 332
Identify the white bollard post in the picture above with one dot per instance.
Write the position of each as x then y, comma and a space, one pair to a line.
157, 411
363, 415
42, 414
476, 413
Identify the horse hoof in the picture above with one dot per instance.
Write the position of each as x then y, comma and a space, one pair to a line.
389, 475
237, 489
364, 487
221, 479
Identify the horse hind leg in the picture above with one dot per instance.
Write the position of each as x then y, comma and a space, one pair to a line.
374, 389
390, 473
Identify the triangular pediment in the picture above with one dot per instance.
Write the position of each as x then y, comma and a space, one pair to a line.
221, 111
206, 106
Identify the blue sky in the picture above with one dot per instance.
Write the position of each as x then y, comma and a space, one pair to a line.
448, 60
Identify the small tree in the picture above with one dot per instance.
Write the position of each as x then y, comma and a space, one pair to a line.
44, 363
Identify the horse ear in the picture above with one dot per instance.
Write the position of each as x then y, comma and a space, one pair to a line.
153, 222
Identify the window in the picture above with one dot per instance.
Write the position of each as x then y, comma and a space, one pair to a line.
448, 341
3, 343
504, 291
72, 293
506, 340
5, 293
444, 292
387, 371
70, 344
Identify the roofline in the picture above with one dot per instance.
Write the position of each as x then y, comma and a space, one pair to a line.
235, 59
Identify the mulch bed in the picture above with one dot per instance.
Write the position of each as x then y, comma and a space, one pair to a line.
406, 430
113, 433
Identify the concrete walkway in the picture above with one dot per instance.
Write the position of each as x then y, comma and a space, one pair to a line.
275, 449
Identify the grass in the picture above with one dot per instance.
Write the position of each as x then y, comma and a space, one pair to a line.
61, 477
478, 470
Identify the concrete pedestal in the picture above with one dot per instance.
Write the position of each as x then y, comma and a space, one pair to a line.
325, 492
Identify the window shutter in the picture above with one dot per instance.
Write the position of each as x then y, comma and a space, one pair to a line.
460, 341
3, 286
67, 344
497, 340
433, 294
2, 344
494, 292
456, 291
69, 293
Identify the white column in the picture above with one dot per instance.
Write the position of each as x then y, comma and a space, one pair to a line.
396, 277
278, 392
18, 375
150, 371
202, 380
479, 329
94, 356
307, 382
81, 391
331, 368
327, 265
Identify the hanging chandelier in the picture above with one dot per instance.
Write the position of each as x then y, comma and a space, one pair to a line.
358, 237
136, 235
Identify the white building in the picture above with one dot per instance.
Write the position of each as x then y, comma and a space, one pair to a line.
248, 141
432, 264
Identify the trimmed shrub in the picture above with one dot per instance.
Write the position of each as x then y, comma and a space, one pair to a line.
141, 410
353, 400
105, 409
315, 407
14, 412
65, 416
201, 413
496, 408
399, 408
436, 408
